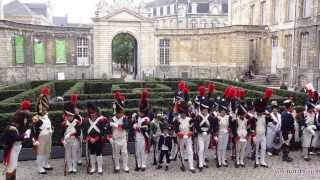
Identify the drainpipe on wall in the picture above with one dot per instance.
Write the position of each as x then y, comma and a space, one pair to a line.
292, 63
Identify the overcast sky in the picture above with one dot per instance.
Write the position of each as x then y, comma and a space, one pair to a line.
79, 11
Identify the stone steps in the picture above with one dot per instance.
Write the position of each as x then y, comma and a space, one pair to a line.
261, 80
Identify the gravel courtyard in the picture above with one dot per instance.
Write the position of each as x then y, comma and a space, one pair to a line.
299, 169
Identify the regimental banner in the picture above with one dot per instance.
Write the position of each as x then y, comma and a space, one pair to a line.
39, 55
19, 46
61, 52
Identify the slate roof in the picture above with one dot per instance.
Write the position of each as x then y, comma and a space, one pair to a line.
16, 8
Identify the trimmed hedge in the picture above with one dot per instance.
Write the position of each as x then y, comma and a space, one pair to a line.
31, 94
63, 86
299, 98
5, 94
97, 87
77, 88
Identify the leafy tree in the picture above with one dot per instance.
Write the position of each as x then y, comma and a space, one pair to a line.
122, 50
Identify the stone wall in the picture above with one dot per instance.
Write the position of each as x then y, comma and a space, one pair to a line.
209, 53
10, 72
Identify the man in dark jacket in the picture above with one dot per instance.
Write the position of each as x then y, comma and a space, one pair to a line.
287, 128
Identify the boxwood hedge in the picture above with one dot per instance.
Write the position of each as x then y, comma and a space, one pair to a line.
101, 92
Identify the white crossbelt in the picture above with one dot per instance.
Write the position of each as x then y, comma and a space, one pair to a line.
93, 125
204, 119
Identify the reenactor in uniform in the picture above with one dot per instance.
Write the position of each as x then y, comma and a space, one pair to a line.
240, 128
259, 128
221, 129
13, 137
204, 127
95, 129
42, 132
119, 125
308, 129
72, 129
287, 129
142, 127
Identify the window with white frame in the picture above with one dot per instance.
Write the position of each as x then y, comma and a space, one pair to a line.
82, 51
164, 51
275, 11
288, 49
290, 8
154, 12
304, 42
263, 10
251, 16
306, 8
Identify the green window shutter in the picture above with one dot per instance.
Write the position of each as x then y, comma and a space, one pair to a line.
19, 46
39, 53
61, 51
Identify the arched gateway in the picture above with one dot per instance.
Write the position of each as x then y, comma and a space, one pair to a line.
123, 22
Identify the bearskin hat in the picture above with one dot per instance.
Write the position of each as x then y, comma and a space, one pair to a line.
144, 103
223, 105
118, 104
25, 105
205, 103
43, 101
69, 109
260, 105
241, 109
92, 108
310, 106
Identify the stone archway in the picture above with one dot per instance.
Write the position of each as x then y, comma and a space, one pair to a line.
128, 22
124, 49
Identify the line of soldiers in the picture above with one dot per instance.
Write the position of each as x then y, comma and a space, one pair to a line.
187, 132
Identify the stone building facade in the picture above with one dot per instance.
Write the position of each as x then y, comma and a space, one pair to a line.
191, 53
292, 46
34, 52
192, 14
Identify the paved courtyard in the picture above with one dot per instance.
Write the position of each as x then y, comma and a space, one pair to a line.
299, 170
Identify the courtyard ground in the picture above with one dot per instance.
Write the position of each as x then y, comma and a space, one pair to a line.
297, 170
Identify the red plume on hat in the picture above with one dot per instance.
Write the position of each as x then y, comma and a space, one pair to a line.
181, 85
118, 97
267, 93
226, 92
202, 91
230, 92
185, 90
74, 99
241, 92
144, 95
309, 93
25, 105
211, 88
45, 91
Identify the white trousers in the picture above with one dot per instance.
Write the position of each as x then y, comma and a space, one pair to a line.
306, 138
119, 148
260, 141
271, 134
241, 151
79, 153
14, 155
71, 152
174, 150
316, 140
188, 144
203, 145
223, 139
141, 153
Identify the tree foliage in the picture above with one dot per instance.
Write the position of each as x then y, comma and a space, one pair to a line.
122, 50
